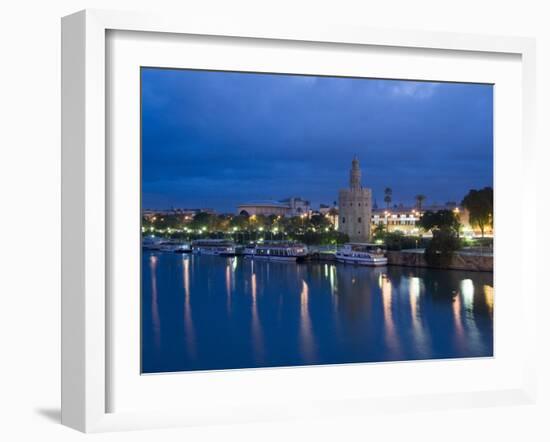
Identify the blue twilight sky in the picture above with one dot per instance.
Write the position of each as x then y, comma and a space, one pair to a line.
218, 139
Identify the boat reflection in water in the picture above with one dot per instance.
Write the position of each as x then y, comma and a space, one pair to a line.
203, 312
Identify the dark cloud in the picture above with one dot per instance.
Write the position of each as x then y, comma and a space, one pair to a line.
216, 139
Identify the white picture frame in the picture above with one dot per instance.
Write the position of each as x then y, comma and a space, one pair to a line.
85, 202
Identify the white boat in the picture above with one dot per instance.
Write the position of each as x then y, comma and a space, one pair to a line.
280, 251
165, 245
363, 254
174, 247
220, 247
182, 248
151, 243
249, 250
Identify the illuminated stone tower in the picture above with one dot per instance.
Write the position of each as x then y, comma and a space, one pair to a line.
355, 207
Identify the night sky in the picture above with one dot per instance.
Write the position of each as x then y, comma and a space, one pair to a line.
218, 139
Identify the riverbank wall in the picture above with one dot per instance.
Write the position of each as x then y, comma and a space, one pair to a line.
460, 261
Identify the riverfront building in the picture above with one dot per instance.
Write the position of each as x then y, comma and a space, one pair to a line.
298, 206
149, 214
293, 206
266, 208
403, 219
406, 219
355, 207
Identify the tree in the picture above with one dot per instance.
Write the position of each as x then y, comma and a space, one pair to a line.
479, 204
379, 232
398, 241
442, 219
260, 222
319, 221
445, 228
441, 248
272, 220
419, 200
320, 238
293, 224
387, 196
202, 220
239, 222
394, 240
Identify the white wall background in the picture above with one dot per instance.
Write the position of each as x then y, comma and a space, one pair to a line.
30, 219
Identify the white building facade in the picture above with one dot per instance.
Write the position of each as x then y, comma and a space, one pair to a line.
298, 206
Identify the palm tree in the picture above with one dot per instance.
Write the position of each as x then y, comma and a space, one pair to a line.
419, 200
380, 231
387, 196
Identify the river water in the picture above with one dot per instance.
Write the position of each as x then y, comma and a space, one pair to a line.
210, 312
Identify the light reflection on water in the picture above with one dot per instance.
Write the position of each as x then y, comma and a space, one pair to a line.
228, 287
155, 317
467, 290
457, 316
391, 337
257, 334
188, 314
240, 313
489, 297
421, 339
306, 332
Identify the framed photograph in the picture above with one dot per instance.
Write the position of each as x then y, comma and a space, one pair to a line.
263, 222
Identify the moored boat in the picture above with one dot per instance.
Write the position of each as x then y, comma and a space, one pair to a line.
249, 250
182, 248
221, 247
151, 243
362, 254
280, 251
174, 247
165, 245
